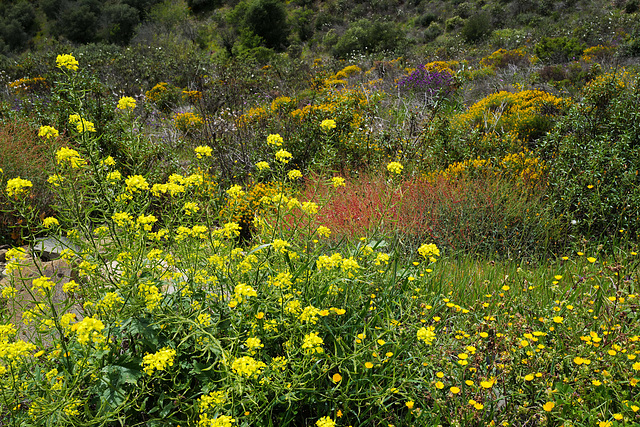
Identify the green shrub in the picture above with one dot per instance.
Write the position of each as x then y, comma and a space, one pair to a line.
432, 32
558, 49
476, 28
594, 155
426, 19
366, 36
121, 22
262, 22
454, 23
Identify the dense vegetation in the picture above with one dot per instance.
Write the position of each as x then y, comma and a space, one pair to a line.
319, 213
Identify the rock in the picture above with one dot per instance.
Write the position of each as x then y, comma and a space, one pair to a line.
59, 271
49, 248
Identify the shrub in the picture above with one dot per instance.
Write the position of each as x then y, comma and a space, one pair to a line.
265, 20
369, 36
527, 114
593, 154
476, 28
164, 96
454, 23
431, 83
432, 32
502, 58
558, 49
121, 22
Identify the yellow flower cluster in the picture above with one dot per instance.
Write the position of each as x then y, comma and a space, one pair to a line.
247, 366
27, 85
18, 186
42, 284
158, 361
48, 132
126, 103
89, 329
327, 125
284, 156
329, 262
82, 125
203, 151
294, 174
280, 102
187, 122
325, 422
511, 112
312, 343
323, 231
136, 183
66, 154
262, 166
220, 421
395, 167
429, 250
427, 335
151, 294
49, 222
67, 61
14, 350
338, 181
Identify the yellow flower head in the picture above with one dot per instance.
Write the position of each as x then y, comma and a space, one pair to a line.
126, 103
325, 422
284, 156
328, 124
48, 132
429, 250
337, 181
275, 139
323, 231
136, 183
18, 186
159, 361
395, 167
72, 156
262, 166
294, 174
203, 151
50, 222
67, 61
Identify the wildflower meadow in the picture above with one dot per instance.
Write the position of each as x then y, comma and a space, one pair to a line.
368, 251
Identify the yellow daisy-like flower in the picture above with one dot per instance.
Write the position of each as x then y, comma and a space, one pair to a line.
548, 407
67, 61
336, 378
